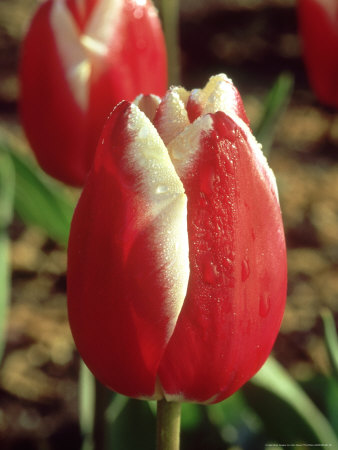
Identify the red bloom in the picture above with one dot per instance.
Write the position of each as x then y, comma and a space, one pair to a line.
318, 25
177, 266
79, 59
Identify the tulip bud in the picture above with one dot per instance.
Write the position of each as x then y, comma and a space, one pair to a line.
79, 59
176, 260
318, 26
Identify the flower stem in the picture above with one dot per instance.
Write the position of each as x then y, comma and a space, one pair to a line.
168, 425
170, 10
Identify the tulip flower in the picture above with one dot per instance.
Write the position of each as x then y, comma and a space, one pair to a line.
79, 59
176, 259
318, 26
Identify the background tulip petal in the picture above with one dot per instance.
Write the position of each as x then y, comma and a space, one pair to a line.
318, 26
48, 115
237, 285
73, 55
79, 59
128, 255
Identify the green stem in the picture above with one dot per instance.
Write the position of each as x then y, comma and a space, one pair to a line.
168, 425
170, 12
86, 406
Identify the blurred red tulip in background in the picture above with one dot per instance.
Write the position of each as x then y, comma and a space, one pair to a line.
79, 59
176, 260
318, 26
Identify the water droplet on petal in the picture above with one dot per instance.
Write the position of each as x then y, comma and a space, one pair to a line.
207, 180
229, 165
245, 269
210, 272
161, 189
143, 133
264, 305
203, 202
138, 13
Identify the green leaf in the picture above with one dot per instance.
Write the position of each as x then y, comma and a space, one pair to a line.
332, 402
275, 105
133, 427
38, 199
236, 422
191, 416
99, 408
331, 339
4, 287
7, 180
286, 409
323, 390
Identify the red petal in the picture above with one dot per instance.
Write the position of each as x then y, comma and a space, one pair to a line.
52, 120
318, 23
219, 94
237, 286
125, 274
81, 11
63, 123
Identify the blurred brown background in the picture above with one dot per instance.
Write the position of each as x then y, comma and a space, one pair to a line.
252, 41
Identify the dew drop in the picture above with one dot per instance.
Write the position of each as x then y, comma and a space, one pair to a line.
207, 180
229, 165
203, 202
228, 130
161, 189
210, 272
138, 13
143, 133
245, 269
264, 305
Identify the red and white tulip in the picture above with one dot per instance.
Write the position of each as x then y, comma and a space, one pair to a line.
177, 262
318, 26
79, 59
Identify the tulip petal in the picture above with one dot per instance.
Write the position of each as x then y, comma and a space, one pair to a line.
185, 148
318, 22
148, 104
182, 93
237, 285
219, 94
49, 113
171, 117
72, 54
79, 59
78, 48
104, 22
128, 249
